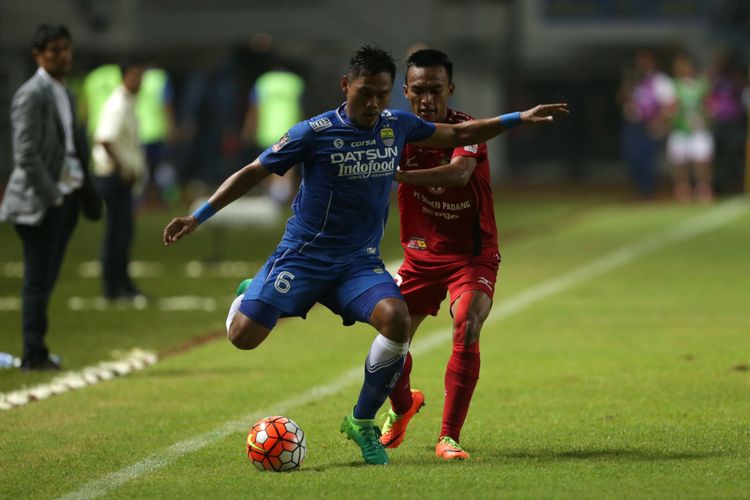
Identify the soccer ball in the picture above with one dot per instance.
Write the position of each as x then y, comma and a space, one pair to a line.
276, 444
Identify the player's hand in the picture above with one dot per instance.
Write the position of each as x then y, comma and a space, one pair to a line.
399, 175
179, 227
544, 113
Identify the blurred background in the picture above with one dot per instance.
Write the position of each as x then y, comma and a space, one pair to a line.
508, 55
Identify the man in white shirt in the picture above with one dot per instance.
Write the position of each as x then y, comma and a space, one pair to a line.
119, 164
48, 185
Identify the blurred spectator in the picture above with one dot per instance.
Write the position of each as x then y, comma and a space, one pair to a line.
275, 107
690, 145
207, 119
725, 107
97, 87
644, 96
120, 165
48, 184
155, 129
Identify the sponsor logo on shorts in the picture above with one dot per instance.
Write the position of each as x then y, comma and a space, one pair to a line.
387, 135
378, 270
372, 250
321, 124
471, 148
485, 282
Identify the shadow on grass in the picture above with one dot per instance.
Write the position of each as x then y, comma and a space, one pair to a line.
618, 454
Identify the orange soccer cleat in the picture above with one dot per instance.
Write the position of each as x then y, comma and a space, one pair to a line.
448, 449
394, 427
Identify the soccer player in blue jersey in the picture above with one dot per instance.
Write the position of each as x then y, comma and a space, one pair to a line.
330, 253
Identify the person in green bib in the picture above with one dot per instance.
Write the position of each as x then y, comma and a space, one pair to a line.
275, 107
690, 145
155, 127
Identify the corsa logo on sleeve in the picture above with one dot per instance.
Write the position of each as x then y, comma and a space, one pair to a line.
387, 135
282, 142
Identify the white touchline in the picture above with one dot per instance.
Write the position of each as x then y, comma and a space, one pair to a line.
718, 216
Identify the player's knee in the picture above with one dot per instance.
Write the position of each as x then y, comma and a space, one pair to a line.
393, 320
466, 326
243, 336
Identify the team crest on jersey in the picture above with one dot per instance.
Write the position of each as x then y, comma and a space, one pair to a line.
417, 243
387, 135
281, 143
320, 124
471, 148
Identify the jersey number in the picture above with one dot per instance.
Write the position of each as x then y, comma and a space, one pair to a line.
282, 284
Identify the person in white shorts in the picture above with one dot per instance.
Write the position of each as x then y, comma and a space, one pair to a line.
690, 145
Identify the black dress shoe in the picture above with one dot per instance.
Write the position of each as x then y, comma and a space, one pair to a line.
52, 363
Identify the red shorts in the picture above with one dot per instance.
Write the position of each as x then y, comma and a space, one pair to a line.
424, 284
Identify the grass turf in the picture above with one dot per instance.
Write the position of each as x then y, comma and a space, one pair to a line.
628, 385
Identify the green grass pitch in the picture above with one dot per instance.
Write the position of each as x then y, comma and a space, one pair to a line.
631, 382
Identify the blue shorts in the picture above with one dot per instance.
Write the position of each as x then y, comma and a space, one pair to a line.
293, 283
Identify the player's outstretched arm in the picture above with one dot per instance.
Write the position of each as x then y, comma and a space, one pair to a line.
456, 174
235, 186
483, 129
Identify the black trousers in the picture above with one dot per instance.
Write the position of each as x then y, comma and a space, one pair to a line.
118, 236
43, 251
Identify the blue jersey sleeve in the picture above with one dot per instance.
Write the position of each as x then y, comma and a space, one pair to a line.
288, 151
416, 128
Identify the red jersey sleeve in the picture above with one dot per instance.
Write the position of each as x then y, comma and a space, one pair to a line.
476, 151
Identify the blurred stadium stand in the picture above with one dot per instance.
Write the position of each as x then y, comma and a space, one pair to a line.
508, 53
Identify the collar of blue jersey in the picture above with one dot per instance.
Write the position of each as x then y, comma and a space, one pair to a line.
341, 112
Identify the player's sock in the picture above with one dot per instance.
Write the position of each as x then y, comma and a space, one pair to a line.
233, 310
401, 397
382, 368
461, 378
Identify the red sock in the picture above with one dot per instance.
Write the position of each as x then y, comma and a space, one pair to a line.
461, 378
401, 399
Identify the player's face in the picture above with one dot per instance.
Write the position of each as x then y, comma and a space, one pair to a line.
56, 58
428, 90
367, 97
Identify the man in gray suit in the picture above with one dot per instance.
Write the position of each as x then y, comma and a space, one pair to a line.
48, 185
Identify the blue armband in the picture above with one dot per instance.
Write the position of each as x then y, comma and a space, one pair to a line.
204, 212
510, 120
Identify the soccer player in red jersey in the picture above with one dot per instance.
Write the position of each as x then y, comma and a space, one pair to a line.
450, 244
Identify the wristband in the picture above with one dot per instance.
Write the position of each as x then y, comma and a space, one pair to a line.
204, 212
510, 120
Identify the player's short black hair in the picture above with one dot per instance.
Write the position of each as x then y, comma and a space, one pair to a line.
428, 58
46, 33
370, 60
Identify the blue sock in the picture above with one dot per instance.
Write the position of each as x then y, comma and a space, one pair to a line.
382, 369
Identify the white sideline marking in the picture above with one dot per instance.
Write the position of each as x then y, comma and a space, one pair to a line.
718, 216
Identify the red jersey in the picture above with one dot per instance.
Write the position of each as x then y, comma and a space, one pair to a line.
438, 222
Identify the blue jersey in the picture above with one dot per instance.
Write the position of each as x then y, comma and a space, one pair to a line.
347, 171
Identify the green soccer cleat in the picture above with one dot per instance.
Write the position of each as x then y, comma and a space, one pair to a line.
367, 436
243, 286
